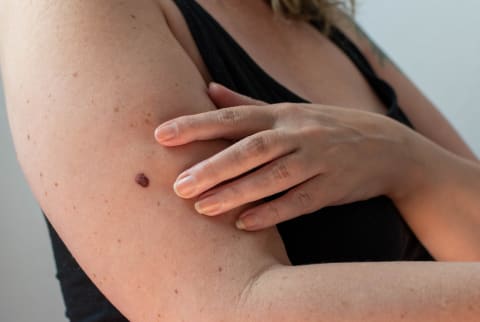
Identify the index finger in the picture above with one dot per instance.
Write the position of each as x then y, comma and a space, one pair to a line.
229, 123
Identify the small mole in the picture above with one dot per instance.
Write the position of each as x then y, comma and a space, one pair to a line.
132, 125
49, 95
176, 291
147, 121
220, 269
106, 200
74, 208
56, 184
41, 174
133, 16
46, 193
119, 241
142, 180
115, 109
158, 203
28, 137
75, 75
28, 101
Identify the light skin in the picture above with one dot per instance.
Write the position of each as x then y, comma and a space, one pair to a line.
308, 150
86, 84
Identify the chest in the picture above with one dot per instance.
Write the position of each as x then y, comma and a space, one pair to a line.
295, 54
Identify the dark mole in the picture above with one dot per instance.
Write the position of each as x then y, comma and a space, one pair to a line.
142, 180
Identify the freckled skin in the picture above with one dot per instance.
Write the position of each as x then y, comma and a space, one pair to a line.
142, 180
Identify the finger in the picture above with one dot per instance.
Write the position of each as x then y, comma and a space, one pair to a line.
273, 178
303, 199
237, 159
228, 123
225, 97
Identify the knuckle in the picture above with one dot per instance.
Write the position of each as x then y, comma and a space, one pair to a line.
280, 171
303, 199
256, 145
228, 116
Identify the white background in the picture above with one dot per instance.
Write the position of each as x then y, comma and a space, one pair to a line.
435, 42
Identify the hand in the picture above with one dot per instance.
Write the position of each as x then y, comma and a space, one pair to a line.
319, 155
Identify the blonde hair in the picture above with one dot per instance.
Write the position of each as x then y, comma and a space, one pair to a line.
325, 10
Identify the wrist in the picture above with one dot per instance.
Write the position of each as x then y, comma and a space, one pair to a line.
422, 166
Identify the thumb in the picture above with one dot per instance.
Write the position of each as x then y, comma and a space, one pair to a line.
224, 97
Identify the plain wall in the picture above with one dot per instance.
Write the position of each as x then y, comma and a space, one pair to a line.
434, 42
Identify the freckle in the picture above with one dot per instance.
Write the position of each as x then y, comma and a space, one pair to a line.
28, 137
106, 200
132, 124
94, 275
115, 109
41, 174
49, 95
142, 180
176, 291
56, 184
133, 16
158, 203
147, 121
74, 208
75, 75
28, 101
149, 114
119, 241
46, 193
220, 269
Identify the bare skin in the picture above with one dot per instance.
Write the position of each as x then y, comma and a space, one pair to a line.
101, 75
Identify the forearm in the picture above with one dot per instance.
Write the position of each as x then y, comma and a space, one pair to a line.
389, 291
440, 201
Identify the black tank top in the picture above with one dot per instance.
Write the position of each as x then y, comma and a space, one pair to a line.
370, 230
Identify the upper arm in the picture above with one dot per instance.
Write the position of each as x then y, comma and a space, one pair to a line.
425, 117
86, 84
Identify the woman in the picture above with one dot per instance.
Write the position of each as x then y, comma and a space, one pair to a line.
102, 76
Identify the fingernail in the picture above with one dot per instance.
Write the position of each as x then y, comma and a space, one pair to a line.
247, 221
166, 132
185, 186
211, 205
